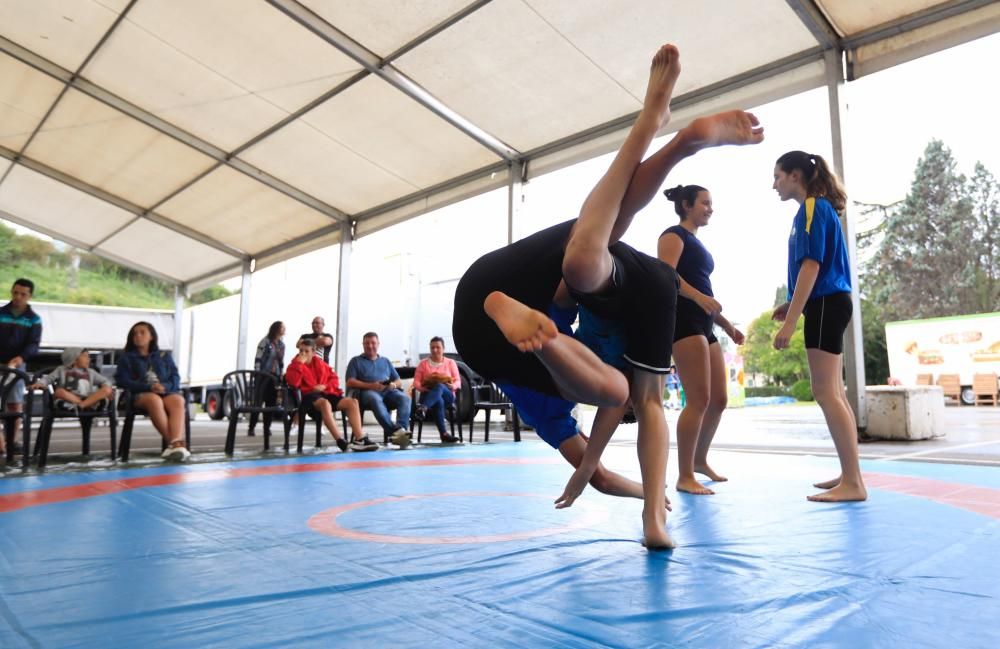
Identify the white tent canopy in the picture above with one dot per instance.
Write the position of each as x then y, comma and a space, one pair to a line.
186, 137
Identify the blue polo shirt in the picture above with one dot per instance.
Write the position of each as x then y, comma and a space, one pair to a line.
816, 234
365, 369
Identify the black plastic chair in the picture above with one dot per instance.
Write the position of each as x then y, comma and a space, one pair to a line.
450, 414
255, 393
131, 412
489, 397
51, 412
303, 411
8, 380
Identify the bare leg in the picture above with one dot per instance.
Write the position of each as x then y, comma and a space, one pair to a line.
718, 399
104, 392
693, 366
830, 484
350, 406
825, 370
152, 404
653, 445
587, 262
604, 480
322, 406
579, 373
173, 406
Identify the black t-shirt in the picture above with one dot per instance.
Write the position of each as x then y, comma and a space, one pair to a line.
323, 351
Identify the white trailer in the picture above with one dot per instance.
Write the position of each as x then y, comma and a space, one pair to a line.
963, 345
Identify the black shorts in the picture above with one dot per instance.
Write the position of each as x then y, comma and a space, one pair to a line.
826, 321
310, 399
529, 271
693, 321
643, 297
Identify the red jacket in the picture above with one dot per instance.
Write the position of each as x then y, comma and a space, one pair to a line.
307, 376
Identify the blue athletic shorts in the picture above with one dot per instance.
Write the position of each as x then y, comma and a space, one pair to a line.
551, 417
604, 337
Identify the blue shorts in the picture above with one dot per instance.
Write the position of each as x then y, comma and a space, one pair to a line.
551, 417
604, 337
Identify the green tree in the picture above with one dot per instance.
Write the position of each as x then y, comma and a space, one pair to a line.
985, 196
931, 260
783, 367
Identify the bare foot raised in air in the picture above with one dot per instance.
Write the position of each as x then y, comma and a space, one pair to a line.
692, 486
731, 127
706, 470
841, 493
827, 484
663, 73
654, 531
525, 328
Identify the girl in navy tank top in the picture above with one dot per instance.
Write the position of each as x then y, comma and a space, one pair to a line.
697, 353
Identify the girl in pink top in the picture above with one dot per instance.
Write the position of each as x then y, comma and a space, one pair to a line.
437, 380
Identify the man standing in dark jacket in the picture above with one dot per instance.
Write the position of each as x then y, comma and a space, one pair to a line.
20, 336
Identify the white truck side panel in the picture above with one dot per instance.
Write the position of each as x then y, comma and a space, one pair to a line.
98, 327
963, 345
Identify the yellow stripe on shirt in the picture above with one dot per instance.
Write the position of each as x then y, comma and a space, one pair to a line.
810, 208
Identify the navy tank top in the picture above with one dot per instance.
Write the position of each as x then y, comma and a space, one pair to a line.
696, 263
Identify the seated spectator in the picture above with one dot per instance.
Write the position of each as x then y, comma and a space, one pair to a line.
321, 392
323, 340
151, 378
380, 389
77, 386
437, 380
20, 335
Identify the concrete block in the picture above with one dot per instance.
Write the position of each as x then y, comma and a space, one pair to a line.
905, 412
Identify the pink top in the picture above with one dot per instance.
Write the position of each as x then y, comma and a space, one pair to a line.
426, 367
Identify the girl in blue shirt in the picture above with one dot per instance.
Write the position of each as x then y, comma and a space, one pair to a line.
153, 382
696, 350
819, 285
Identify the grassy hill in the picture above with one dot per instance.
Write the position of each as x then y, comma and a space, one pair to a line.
76, 277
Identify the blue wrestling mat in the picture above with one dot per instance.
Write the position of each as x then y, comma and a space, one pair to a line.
445, 547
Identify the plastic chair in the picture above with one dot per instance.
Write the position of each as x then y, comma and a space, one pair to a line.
255, 393
304, 412
489, 397
8, 380
131, 412
51, 412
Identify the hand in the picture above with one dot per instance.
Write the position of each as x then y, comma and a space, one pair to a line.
577, 483
709, 305
36, 386
75, 400
780, 312
784, 335
319, 387
447, 379
737, 336
302, 357
158, 388
15, 362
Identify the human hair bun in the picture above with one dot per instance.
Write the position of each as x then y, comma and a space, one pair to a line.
674, 193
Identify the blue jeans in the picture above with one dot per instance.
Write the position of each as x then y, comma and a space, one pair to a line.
436, 400
380, 403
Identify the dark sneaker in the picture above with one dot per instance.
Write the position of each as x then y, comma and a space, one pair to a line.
363, 444
449, 439
342, 444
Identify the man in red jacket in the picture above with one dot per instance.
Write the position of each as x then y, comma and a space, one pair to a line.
321, 392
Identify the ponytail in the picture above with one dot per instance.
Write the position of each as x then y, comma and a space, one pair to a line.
818, 178
683, 194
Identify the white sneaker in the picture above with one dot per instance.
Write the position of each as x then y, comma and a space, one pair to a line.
176, 454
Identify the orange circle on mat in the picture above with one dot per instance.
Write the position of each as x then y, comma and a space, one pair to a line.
325, 522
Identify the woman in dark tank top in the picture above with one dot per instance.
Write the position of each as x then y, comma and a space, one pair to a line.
696, 350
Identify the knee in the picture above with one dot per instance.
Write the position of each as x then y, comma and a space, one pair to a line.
696, 401
718, 402
349, 404
322, 405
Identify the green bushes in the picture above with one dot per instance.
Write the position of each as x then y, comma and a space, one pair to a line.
802, 390
768, 391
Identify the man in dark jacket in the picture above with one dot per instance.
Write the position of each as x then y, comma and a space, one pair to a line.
20, 336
